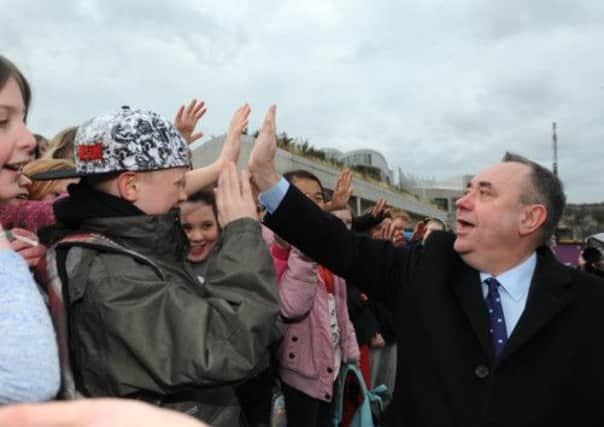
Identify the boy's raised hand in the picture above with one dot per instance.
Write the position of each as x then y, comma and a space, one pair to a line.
232, 143
202, 177
234, 198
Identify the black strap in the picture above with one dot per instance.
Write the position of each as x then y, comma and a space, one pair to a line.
69, 298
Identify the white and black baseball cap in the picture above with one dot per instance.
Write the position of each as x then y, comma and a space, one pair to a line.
126, 140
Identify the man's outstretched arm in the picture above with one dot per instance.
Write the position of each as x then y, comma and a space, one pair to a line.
318, 234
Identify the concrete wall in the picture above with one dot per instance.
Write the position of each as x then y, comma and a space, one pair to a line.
365, 193
450, 195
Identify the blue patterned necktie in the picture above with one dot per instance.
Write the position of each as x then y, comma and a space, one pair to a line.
498, 331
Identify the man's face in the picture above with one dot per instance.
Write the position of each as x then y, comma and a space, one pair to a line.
489, 216
159, 191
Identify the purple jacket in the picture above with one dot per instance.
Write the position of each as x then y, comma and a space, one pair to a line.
306, 353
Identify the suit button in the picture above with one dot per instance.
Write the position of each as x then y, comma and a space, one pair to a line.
327, 396
481, 371
294, 338
329, 370
292, 355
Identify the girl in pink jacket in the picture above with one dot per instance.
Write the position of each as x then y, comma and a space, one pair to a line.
319, 336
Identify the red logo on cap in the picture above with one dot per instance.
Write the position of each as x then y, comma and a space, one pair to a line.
92, 152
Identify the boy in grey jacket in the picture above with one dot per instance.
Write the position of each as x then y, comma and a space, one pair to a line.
140, 324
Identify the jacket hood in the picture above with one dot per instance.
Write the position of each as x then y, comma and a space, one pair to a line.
92, 211
85, 202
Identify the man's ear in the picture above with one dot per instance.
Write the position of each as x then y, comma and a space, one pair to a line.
128, 186
533, 217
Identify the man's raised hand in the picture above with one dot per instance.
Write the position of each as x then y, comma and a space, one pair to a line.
262, 158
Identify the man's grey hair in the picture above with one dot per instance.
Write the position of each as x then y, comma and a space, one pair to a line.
544, 188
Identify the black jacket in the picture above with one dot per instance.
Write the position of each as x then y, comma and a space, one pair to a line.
550, 372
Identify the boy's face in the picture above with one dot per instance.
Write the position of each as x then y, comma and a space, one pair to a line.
159, 191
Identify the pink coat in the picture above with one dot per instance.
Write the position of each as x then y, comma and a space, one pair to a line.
306, 353
29, 214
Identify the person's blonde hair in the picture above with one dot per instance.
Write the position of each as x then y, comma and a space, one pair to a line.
40, 189
61, 145
397, 213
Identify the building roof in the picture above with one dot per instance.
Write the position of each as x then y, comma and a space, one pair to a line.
207, 152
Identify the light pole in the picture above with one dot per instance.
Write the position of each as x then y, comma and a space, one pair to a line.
555, 141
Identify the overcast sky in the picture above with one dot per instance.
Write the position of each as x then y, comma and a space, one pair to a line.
441, 88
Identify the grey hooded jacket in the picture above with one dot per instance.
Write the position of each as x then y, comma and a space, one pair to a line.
142, 326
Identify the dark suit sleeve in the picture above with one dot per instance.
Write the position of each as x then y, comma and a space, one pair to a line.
363, 223
380, 269
364, 322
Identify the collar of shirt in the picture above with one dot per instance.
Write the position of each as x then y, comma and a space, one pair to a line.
515, 281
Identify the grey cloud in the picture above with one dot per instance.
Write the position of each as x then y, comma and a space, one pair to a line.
515, 17
441, 88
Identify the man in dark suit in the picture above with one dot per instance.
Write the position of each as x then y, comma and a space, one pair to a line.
492, 329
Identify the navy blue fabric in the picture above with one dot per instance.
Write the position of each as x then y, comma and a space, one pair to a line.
498, 330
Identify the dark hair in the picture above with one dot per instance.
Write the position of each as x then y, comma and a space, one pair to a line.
546, 189
303, 174
8, 70
205, 196
593, 258
591, 255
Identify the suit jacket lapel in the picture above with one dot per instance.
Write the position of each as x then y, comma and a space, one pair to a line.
469, 294
549, 294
